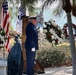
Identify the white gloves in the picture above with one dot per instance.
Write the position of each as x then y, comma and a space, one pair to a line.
33, 49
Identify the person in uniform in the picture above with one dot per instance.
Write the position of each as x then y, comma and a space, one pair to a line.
31, 45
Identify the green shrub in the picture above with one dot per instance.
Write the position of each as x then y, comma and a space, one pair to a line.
54, 57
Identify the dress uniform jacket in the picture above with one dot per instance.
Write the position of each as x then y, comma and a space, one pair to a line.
31, 37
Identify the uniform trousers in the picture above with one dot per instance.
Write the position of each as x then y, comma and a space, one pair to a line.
30, 58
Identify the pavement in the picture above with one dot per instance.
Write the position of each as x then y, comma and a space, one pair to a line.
58, 71
50, 71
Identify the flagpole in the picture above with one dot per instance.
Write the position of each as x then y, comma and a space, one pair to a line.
4, 47
1, 1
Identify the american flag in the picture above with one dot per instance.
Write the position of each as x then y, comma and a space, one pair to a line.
5, 23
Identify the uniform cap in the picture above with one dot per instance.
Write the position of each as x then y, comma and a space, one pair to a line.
32, 17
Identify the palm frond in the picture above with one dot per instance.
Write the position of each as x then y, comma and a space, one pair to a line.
74, 2
30, 1
47, 3
17, 1
31, 9
58, 10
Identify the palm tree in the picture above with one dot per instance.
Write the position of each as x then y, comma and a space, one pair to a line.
74, 8
24, 5
67, 7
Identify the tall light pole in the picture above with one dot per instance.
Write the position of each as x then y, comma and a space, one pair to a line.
1, 1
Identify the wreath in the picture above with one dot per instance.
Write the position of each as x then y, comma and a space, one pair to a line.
65, 30
49, 36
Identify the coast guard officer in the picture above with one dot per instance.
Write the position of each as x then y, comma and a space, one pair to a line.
31, 45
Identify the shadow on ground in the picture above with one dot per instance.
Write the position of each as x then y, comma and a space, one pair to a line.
50, 71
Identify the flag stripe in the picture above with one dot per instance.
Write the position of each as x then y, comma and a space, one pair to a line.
6, 25
7, 29
5, 20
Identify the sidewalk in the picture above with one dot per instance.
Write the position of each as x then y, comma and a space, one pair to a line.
2, 71
58, 71
51, 71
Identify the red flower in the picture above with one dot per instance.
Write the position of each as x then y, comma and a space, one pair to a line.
56, 40
49, 36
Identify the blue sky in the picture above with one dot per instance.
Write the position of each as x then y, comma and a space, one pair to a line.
59, 20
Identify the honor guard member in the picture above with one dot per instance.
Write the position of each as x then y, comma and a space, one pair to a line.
31, 45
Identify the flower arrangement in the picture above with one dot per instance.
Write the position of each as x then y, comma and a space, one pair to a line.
65, 31
2, 36
53, 30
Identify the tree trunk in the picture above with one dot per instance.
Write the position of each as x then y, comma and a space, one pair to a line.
24, 23
72, 42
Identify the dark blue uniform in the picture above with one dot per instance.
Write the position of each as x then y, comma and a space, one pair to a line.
31, 41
